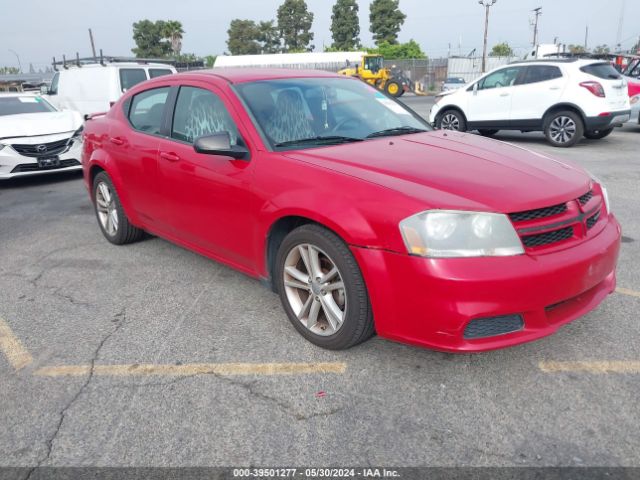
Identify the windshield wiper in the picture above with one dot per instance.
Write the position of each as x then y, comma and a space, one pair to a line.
396, 131
320, 140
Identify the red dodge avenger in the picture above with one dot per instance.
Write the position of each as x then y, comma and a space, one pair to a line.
353, 209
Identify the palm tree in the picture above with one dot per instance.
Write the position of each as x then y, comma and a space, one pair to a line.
173, 31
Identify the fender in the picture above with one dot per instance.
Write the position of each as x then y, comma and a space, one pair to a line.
100, 158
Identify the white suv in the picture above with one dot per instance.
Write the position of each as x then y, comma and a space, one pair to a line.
564, 98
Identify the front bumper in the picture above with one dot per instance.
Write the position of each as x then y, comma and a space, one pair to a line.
13, 164
614, 119
429, 302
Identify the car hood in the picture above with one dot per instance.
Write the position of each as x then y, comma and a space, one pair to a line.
456, 170
35, 124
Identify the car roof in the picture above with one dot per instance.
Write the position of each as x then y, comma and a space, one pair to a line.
18, 94
241, 75
554, 61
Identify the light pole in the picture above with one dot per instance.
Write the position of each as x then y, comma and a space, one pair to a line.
18, 57
486, 4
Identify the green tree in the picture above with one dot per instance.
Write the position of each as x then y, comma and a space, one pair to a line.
576, 49
243, 36
345, 26
411, 49
9, 70
173, 32
501, 50
150, 39
269, 37
386, 20
210, 60
294, 23
601, 49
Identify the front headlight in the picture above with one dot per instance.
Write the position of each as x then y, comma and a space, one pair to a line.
605, 193
77, 135
447, 233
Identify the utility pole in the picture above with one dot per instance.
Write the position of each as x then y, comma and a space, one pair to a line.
537, 12
586, 38
486, 4
18, 57
93, 46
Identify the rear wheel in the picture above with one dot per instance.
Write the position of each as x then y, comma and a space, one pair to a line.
563, 128
598, 134
488, 133
452, 120
113, 222
322, 289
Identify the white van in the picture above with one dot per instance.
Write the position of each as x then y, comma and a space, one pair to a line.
92, 88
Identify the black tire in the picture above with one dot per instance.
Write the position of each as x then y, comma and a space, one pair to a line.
125, 232
598, 134
393, 88
568, 120
400, 93
488, 133
452, 120
357, 325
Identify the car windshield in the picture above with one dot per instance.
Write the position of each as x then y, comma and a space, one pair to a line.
16, 105
308, 112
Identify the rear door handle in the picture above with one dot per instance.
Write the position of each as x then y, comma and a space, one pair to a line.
171, 157
554, 88
117, 140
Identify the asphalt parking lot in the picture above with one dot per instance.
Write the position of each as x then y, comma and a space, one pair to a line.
150, 355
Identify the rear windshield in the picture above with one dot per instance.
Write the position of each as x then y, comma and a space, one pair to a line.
601, 70
25, 104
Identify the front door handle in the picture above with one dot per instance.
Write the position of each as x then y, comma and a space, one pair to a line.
504, 94
554, 88
171, 157
117, 140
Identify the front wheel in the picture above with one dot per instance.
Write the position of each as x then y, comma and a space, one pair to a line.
598, 134
393, 88
452, 120
322, 289
564, 128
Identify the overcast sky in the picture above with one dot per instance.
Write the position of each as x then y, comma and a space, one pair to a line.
40, 29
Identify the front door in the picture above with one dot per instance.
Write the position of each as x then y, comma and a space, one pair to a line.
207, 198
491, 101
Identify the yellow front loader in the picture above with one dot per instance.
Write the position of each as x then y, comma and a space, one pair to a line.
372, 70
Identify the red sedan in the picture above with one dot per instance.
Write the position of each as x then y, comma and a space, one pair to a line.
350, 206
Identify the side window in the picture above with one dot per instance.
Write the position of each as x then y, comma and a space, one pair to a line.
502, 78
158, 72
541, 73
146, 110
53, 89
200, 112
129, 77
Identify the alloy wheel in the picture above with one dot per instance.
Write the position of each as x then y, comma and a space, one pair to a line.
314, 289
450, 122
562, 129
106, 207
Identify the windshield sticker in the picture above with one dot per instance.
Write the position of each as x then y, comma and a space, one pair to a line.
27, 99
393, 106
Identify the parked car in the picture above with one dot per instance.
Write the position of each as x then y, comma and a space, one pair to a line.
93, 88
353, 209
635, 109
565, 98
36, 138
453, 83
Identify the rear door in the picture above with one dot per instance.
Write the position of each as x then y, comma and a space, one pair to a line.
134, 143
490, 104
539, 88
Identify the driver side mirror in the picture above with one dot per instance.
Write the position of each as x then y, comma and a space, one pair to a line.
220, 144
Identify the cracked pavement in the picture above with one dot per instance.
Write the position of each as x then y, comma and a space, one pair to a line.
74, 299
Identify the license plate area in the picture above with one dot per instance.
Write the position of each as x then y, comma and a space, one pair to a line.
48, 162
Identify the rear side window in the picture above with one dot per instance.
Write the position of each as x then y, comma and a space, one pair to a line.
200, 112
541, 73
601, 70
129, 77
158, 72
146, 110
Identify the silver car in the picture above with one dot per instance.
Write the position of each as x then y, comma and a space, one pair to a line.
453, 83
